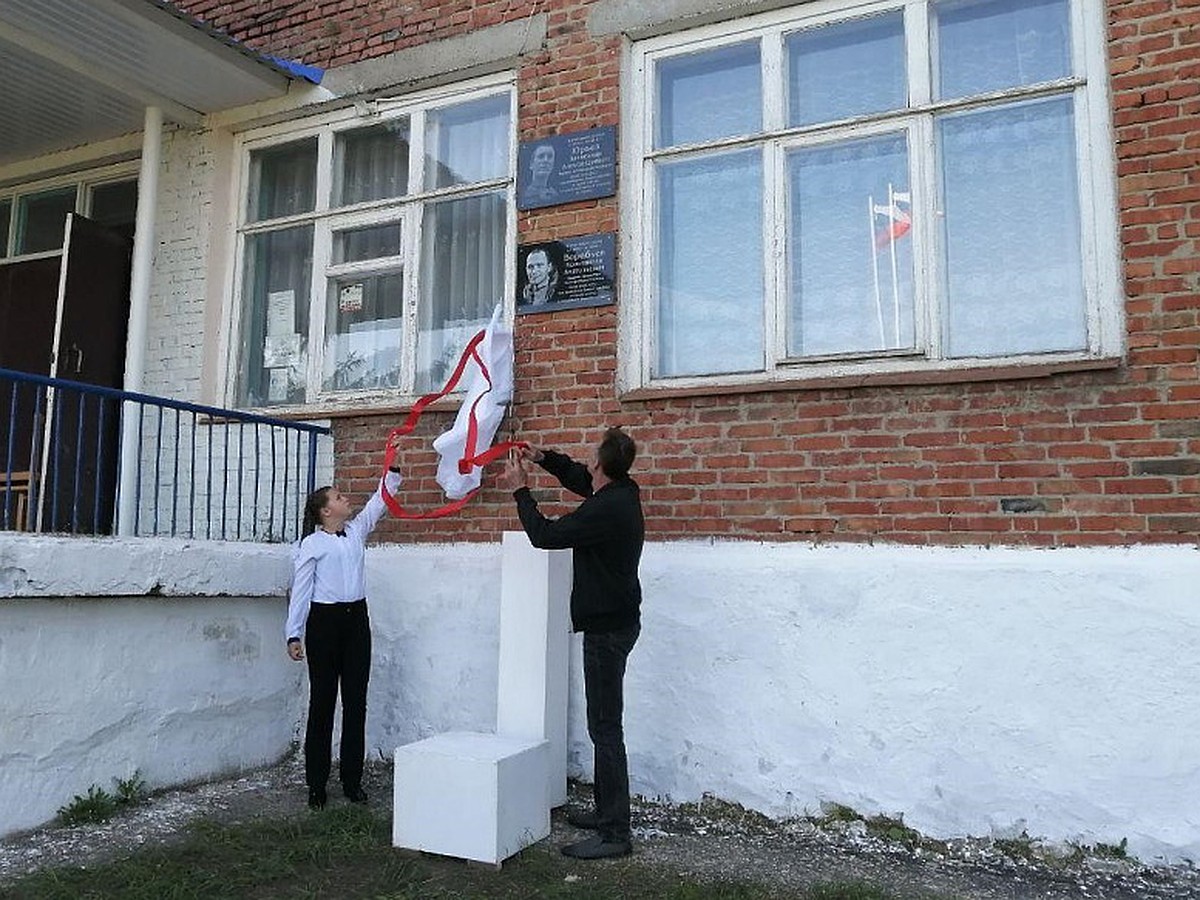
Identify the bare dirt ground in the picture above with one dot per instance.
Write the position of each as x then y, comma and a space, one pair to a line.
706, 841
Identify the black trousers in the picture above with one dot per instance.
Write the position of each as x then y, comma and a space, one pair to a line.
338, 647
604, 657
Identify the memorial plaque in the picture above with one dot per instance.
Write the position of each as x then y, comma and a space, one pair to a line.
566, 274
564, 168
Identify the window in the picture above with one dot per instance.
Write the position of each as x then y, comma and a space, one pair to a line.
905, 185
5, 218
40, 219
114, 205
371, 247
33, 217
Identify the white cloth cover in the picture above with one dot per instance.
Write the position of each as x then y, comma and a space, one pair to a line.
496, 351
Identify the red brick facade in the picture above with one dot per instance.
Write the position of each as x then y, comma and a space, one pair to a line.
1103, 457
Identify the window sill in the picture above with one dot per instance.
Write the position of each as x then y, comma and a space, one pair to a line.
352, 409
791, 380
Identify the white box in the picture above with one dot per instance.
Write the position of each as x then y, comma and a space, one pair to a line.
535, 631
474, 796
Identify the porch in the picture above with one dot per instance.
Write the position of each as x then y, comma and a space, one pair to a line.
189, 470
84, 449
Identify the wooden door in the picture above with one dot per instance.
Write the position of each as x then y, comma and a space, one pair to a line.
28, 301
28, 312
83, 435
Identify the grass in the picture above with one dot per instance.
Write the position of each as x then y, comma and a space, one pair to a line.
1020, 848
98, 805
1112, 851
887, 828
836, 812
893, 829
346, 852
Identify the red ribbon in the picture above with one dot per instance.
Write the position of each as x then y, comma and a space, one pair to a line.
469, 458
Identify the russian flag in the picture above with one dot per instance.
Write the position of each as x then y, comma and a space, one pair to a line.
899, 220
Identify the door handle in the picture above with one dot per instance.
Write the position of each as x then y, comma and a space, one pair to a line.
77, 352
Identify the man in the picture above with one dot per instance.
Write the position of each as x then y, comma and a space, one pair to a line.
541, 278
605, 533
539, 192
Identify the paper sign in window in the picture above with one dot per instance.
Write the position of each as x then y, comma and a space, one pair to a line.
281, 312
281, 351
350, 298
278, 390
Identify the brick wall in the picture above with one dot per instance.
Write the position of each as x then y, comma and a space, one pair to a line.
175, 328
1108, 457
331, 33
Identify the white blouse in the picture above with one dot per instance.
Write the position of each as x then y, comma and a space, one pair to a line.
329, 567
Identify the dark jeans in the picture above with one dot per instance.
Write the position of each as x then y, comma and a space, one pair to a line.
338, 646
604, 658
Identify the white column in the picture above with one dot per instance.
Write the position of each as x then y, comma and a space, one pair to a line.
532, 690
139, 309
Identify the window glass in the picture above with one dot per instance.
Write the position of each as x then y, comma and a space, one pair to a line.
710, 265
850, 248
363, 331
5, 217
283, 180
709, 95
370, 242
794, 252
467, 143
115, 206
371, 163
846, 69
377, 290
42, 219
274, 335
992, 45
1011, 232
462, 277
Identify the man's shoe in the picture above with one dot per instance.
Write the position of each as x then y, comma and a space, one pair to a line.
355, 794
316, 798
586, 820
596, 847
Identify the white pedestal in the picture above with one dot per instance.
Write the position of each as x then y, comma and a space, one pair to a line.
535, 631
486, 796
468, 795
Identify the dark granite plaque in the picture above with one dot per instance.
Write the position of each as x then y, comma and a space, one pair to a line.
566, 274
564, 168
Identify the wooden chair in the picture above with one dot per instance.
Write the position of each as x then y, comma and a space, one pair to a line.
15, 486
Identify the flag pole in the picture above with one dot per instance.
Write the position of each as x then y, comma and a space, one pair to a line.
874, 264
895, 277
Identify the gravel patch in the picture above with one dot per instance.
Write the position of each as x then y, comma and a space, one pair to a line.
707, 841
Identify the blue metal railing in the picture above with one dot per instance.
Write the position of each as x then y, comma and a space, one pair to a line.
190, 475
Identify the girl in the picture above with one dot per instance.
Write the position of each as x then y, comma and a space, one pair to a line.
327, 622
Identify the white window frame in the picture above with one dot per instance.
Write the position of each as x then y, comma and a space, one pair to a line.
325, 219
1096, 166
85, 181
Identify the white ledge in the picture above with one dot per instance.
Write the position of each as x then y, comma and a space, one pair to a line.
60, 566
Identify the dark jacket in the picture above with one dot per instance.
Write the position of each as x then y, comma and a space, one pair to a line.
606, 533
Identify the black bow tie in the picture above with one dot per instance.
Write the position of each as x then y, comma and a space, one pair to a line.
341, 532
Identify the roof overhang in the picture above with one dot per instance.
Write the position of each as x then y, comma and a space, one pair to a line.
77, 72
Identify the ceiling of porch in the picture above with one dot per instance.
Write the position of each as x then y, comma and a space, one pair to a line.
74, 72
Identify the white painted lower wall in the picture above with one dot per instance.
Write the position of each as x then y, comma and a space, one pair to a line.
974, 691
110, 664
